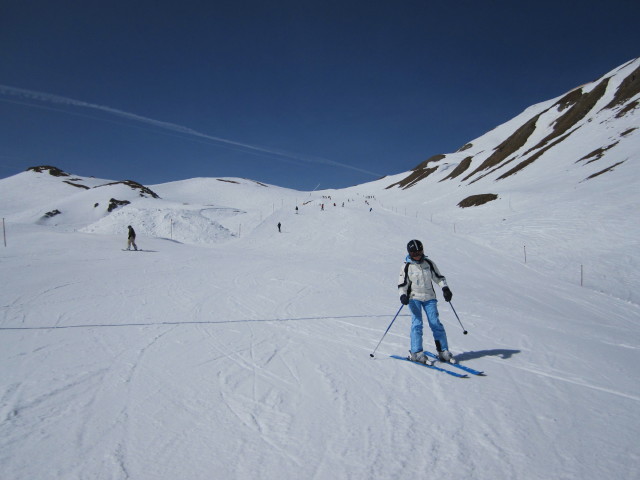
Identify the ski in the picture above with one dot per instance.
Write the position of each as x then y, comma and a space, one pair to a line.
457, 365
455, 374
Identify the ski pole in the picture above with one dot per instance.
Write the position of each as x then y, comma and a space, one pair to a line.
454, 311
385, 333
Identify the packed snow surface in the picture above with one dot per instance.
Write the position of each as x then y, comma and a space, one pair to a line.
225, 349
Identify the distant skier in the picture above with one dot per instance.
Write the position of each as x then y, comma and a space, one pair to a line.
416, 290
131, 239
279, 225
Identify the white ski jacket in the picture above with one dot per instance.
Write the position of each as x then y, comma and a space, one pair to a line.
416, 279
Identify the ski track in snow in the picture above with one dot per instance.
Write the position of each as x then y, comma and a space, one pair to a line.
576, 382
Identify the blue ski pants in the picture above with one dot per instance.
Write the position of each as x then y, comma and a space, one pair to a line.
431, 309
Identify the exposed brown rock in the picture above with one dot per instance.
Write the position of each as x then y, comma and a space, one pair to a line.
631, 106
55, 171
460, 169
75, 184
52, 213
134, 185
569, 99
508, 147
597, 154
113, 204
414, 178
608, 169
435, 158
532, 158
576, 113
475, 200
627, 89
419, 173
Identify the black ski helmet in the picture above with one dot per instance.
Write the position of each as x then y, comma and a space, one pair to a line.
414, 246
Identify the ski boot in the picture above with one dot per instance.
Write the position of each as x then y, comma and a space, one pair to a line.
445, 356
420, 357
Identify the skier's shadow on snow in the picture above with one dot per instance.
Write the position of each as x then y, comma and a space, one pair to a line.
499, 352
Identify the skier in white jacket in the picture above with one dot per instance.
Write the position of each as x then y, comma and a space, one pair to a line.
416, 290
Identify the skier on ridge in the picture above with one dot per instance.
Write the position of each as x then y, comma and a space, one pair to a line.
416, 290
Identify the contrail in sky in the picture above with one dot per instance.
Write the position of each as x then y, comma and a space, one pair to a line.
28, 95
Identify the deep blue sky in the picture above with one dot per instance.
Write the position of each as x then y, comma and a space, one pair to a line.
325, 92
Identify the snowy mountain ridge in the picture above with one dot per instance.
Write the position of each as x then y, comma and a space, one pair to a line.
555, 145
592, 119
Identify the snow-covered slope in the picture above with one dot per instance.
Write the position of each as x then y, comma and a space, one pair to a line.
250, 359
225, 349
